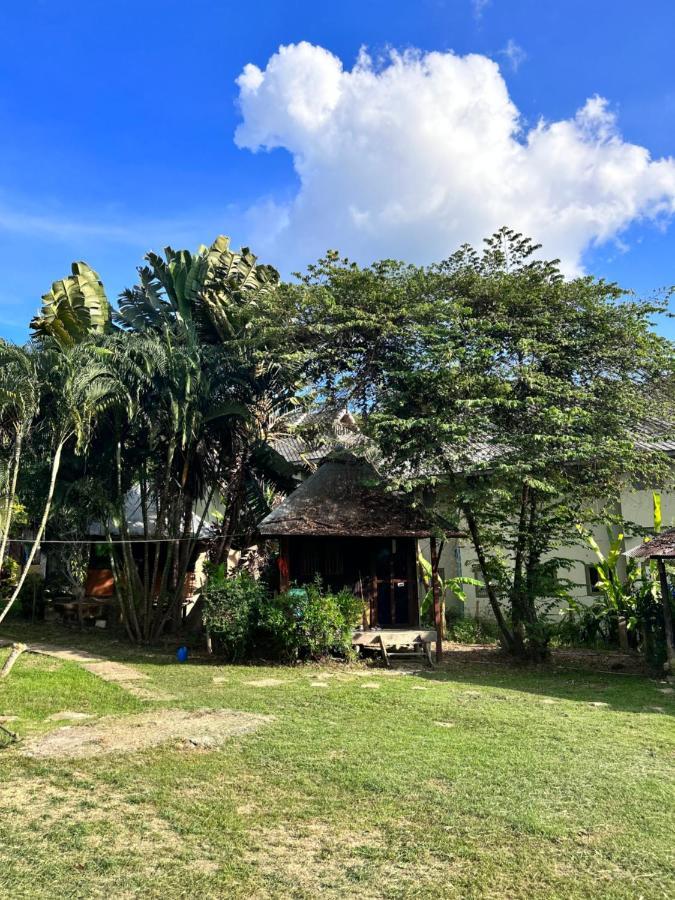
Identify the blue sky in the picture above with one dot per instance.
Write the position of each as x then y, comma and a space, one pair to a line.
118, 126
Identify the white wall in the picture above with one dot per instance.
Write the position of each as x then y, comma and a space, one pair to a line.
636, 506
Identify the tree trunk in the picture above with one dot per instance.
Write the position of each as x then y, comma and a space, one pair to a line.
132, 581
17, 650
120, 588
482, 562
13, 476
438, 618
56, 463
518, 598
234, 493
536, 644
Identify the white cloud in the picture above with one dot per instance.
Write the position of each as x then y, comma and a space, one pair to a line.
479, 7
514, 53
411, 157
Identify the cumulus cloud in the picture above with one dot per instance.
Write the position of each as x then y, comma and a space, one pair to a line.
420, 152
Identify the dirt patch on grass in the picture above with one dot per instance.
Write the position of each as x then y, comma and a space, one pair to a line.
190, 729
40, 804
265, 682
109, 670
314, 859
67, 715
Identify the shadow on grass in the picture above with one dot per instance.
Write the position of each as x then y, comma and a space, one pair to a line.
601, 679
612, 680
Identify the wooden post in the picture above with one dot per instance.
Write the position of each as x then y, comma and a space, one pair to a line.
392, 589
437, 600
284, 564
623, 635
415, 584
667, 614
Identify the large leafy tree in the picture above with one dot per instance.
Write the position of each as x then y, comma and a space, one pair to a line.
504, 395
352, 322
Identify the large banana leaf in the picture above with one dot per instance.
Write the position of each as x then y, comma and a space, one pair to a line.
76, 307
209, 290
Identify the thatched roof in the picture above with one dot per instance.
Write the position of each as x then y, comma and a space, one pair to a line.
345, 497
660, 547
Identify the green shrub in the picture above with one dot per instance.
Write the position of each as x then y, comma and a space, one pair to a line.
231, 609
472, 631
585, 626
245, 620
11, 570
306, 623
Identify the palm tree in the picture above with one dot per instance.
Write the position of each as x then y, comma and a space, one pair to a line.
76, 385
19, 401
168, 445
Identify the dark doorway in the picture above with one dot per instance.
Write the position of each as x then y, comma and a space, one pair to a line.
381, 570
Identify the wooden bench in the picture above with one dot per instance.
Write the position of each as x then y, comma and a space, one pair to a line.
91, 608
397, 642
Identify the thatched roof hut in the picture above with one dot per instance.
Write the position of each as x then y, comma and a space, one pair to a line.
343, 526
345, 497
662, 546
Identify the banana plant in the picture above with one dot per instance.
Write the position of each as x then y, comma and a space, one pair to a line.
214, 290
453, 586
628, 596
75, 308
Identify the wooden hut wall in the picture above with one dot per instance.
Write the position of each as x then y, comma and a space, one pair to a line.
381, 570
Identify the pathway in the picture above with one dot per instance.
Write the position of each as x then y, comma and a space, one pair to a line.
121, 674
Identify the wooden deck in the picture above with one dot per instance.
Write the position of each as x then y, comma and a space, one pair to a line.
397, 642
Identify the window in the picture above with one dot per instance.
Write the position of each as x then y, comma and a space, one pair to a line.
481, 592
592, 578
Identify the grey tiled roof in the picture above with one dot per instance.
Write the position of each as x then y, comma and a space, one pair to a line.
656, 434
651, 434
330, 428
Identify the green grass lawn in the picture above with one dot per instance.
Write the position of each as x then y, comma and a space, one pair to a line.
477, 781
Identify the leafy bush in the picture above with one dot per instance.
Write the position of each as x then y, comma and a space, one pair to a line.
596, 626
585, 625
11, 570
306, 623
231, 609
244, 620
472, 631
